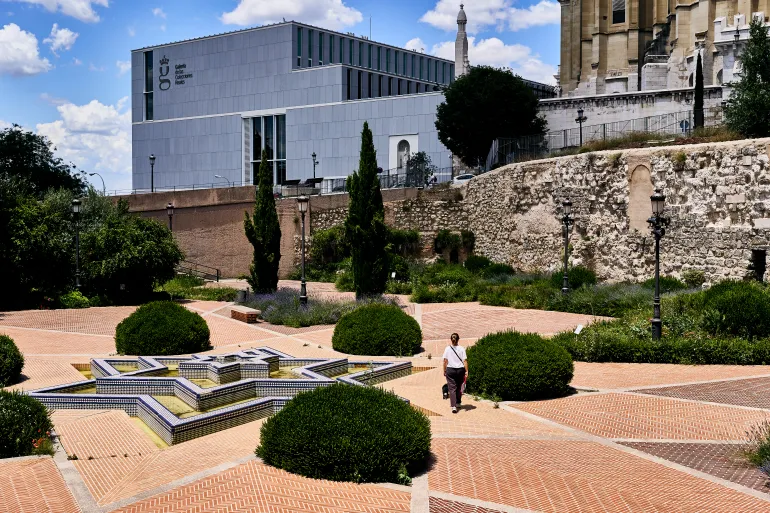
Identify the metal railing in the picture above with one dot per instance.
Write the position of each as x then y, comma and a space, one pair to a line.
205, 272
509, 150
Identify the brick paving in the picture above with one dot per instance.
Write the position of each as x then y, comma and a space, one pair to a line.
40, 372
32, 342
254, 487
92, 321
34, 485
566, 476
631, 416
438, 505
725, 461
752, 392
630, 375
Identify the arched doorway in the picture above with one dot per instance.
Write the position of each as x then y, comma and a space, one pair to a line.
403, 153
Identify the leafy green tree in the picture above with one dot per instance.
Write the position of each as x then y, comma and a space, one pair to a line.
419, 169
29, 156
748, 109
482, 105
264, 233
126, 256
698, 104
365, 225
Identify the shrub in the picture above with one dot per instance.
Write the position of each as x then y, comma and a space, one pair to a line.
738, 308
347, 433
329, 246
185, 286
667, 284
74, 299
162, 328
468, 240
405, 243
497, 270
477, 263
578, 276
758, 448
24, 422
377, 329
693, 278
446, 241
400, 266
11, 361
519, 367
344, 281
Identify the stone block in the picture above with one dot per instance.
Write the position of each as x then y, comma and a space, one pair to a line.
746, 160
244, 314
762, 223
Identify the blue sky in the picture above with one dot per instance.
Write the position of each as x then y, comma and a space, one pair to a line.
63, 63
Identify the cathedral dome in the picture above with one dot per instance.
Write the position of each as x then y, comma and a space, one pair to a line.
461, 15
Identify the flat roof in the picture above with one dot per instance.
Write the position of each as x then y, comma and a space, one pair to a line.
290, 22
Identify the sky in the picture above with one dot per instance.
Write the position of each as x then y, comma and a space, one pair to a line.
64, 64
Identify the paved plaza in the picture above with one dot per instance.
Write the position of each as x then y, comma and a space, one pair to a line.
635, 438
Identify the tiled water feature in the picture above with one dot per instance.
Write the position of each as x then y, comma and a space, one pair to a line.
181, 398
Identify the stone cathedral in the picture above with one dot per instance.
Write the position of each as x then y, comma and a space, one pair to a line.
622, 46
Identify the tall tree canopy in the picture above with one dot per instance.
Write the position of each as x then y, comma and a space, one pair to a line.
365, 225
29, 156
482, 105
698, 104
748, 109
264, 233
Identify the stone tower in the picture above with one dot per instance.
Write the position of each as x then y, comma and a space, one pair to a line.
462, 65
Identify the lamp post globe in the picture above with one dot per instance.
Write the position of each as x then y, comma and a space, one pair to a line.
76, 204
567, 223
658, 224
170, 213
152, 172
302, 204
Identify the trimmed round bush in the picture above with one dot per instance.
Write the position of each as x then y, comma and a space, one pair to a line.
376, 330
23, 422
11, 361
519, 367
578, 277
347, 433
162, 328
738, 308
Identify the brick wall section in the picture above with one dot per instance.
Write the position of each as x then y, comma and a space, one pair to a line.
718, 196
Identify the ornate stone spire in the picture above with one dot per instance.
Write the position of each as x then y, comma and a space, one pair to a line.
462, 65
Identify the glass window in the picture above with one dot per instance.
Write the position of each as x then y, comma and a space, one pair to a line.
390, 86
395, 62
422, 61
399, 87
320, 48
360, 78
350, 51
342, 50
280, 137
309, 48
269, 137
256, 143
369, 61
451, 72
435, 71
377, 51
414, 66
443, 72
403, 68
299, 47
360, 54
618, 11
387, 60
369, 85
149, 112
379, 86
349, 78
280, 172
331, 49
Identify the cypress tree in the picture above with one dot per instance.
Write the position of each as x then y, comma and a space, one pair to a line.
698, 113
264, 233
365, 225
748, 109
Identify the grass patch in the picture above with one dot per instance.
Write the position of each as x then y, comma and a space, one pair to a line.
185, 286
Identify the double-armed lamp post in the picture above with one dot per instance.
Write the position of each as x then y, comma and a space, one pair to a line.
658, 224
567, 223
302, 203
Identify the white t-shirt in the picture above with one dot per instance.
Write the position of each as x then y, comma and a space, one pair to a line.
452, 359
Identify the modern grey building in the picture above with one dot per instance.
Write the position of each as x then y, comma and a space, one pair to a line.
209, 106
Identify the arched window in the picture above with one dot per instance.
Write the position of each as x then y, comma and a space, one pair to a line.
690, 80
403, 153
719, 77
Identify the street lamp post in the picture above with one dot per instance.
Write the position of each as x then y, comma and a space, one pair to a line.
229, 183
567, 222
658, 225
152, 172
302, 203
315, 163
170, 212
76, 216
580, 119
104, 189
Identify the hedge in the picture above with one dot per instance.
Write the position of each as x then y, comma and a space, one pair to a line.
24, 424
11, 361
376, 330
519, 367
162, 328
347, 433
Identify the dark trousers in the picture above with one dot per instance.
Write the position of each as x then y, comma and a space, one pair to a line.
454, 381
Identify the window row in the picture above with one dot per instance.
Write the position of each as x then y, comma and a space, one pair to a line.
268, 133
362, 85
319, 48
149, 114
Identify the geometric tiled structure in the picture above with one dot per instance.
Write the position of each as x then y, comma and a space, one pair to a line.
181, 398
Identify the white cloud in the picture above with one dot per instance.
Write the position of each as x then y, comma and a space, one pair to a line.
417, 45
158, 12
83, 10
60, 39
93, 67
95, 137
493, 13
131, 31
494, 52
19, 54
76, 61
53, 100
4, 125
332, 14
163, 27
123, 67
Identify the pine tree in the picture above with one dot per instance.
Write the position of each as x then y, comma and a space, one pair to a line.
698, 111
365, 225
264, 233
748, 109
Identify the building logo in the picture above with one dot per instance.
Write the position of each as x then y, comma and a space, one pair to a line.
165, 83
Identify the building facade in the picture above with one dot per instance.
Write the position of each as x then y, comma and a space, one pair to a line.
210, 109
625, 46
